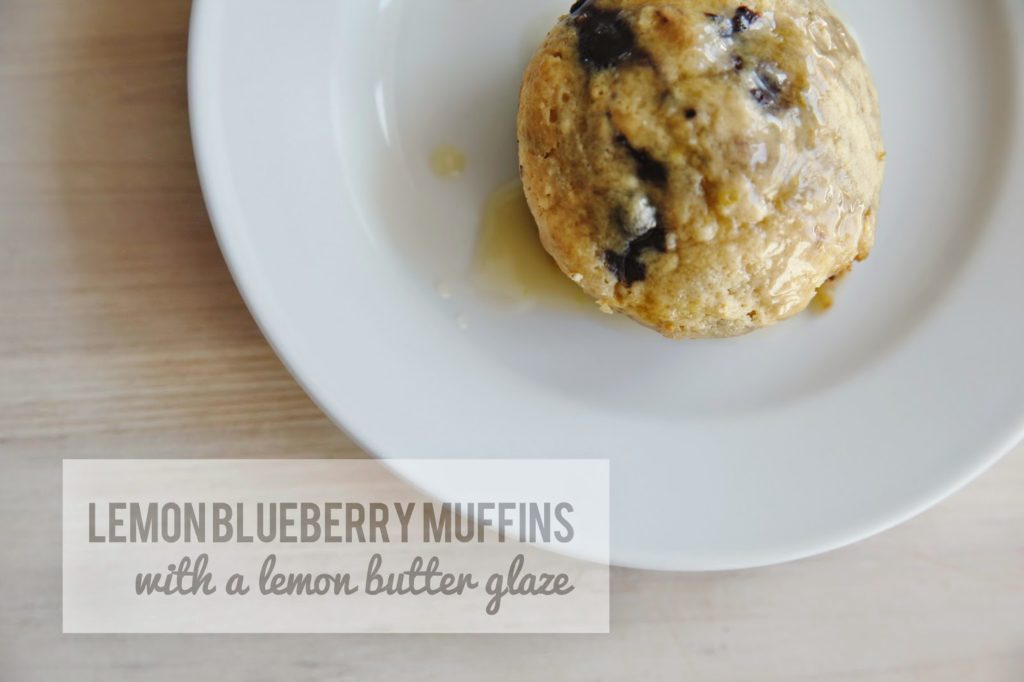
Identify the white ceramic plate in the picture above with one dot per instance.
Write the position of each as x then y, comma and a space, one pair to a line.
313, 122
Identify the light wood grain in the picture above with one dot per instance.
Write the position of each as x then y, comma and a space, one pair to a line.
122, 335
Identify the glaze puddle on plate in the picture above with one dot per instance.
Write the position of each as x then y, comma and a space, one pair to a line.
512, 265
447, 161
826, 296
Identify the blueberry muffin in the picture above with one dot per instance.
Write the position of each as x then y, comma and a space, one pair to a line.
702, 166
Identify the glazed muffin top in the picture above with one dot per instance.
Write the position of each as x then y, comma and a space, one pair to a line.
702, 166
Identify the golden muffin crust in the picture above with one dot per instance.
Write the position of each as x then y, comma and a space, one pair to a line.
700, 165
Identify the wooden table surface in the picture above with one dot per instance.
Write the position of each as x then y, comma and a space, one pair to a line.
122, 335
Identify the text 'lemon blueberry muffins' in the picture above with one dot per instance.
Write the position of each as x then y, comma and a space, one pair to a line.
701, 166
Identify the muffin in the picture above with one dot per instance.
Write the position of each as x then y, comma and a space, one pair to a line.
701, 166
